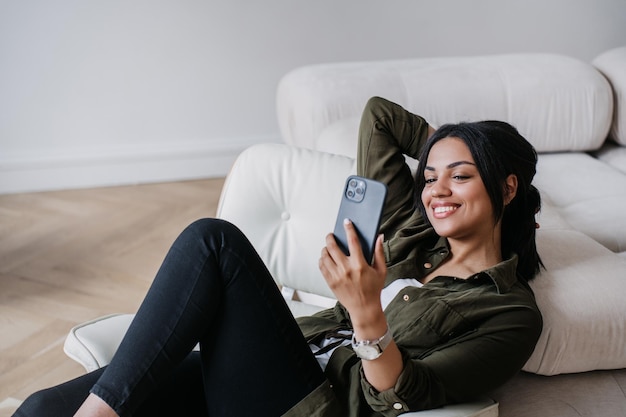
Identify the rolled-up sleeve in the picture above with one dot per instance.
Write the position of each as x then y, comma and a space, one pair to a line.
463, 369
415, 382
387, 133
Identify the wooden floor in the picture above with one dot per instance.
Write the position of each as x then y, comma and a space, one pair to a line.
70, 256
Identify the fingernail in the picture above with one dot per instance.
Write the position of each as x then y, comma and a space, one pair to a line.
346, 221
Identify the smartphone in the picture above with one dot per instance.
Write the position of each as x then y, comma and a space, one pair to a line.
362, 202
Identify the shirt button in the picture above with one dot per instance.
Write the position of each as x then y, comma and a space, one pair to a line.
406, 297
428, 265
397, 406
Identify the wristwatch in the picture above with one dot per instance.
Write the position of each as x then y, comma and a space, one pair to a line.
371, 349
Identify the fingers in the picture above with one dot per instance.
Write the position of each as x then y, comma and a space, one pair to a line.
329, 256
354, 246
334, 263
355, 283
332, 246
323, 263
379, 255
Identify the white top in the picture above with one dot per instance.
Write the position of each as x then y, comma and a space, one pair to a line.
386, 296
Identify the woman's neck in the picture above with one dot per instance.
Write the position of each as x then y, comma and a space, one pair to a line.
476, 255
468, 257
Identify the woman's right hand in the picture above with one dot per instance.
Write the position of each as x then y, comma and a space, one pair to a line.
356, 284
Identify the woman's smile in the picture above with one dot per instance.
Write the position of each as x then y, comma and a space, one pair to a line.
443, 210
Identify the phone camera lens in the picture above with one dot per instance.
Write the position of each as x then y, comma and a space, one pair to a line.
353, 183
350, 193
359, 190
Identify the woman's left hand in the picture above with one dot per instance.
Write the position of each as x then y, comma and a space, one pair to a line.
356, 284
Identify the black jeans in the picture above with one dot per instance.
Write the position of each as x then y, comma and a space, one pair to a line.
214, 289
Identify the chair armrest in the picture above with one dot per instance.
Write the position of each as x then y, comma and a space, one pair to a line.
93, 343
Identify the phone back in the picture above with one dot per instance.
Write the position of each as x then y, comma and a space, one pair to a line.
362, 202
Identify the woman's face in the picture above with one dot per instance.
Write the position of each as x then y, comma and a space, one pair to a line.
455, 198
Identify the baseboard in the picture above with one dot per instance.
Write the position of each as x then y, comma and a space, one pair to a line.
121, 165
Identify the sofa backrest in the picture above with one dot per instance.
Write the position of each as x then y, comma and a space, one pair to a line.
612, 64
558, 103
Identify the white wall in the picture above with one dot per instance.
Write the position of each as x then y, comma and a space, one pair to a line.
115, 92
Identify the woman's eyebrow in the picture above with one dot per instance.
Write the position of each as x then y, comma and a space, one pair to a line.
450, 166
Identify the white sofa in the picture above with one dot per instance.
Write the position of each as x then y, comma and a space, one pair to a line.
285, 198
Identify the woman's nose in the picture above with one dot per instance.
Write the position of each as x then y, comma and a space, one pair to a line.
440, 189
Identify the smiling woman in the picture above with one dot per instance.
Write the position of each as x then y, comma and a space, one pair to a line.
482, 172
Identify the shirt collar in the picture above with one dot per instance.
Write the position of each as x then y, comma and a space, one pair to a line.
503, 274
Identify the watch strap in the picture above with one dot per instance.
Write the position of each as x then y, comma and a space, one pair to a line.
379, 344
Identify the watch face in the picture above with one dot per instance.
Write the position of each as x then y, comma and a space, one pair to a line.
368, 352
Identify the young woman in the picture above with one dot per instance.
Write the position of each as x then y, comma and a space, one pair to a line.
443, 314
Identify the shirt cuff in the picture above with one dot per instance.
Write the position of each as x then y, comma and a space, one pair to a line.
386, 402
417, 389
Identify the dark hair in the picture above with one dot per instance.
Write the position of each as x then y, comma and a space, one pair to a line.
499, 151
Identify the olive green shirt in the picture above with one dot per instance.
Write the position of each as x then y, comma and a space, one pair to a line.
459, 338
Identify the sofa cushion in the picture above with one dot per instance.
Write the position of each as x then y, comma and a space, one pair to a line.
588, 194
547, 97
581, 297
613, 155
613, 65
590, 394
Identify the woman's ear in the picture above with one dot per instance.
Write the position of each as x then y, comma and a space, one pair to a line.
510, 188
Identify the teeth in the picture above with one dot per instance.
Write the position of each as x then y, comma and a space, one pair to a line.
445, 209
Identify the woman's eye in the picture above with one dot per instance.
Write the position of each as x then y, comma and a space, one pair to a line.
461, 177
430, 180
